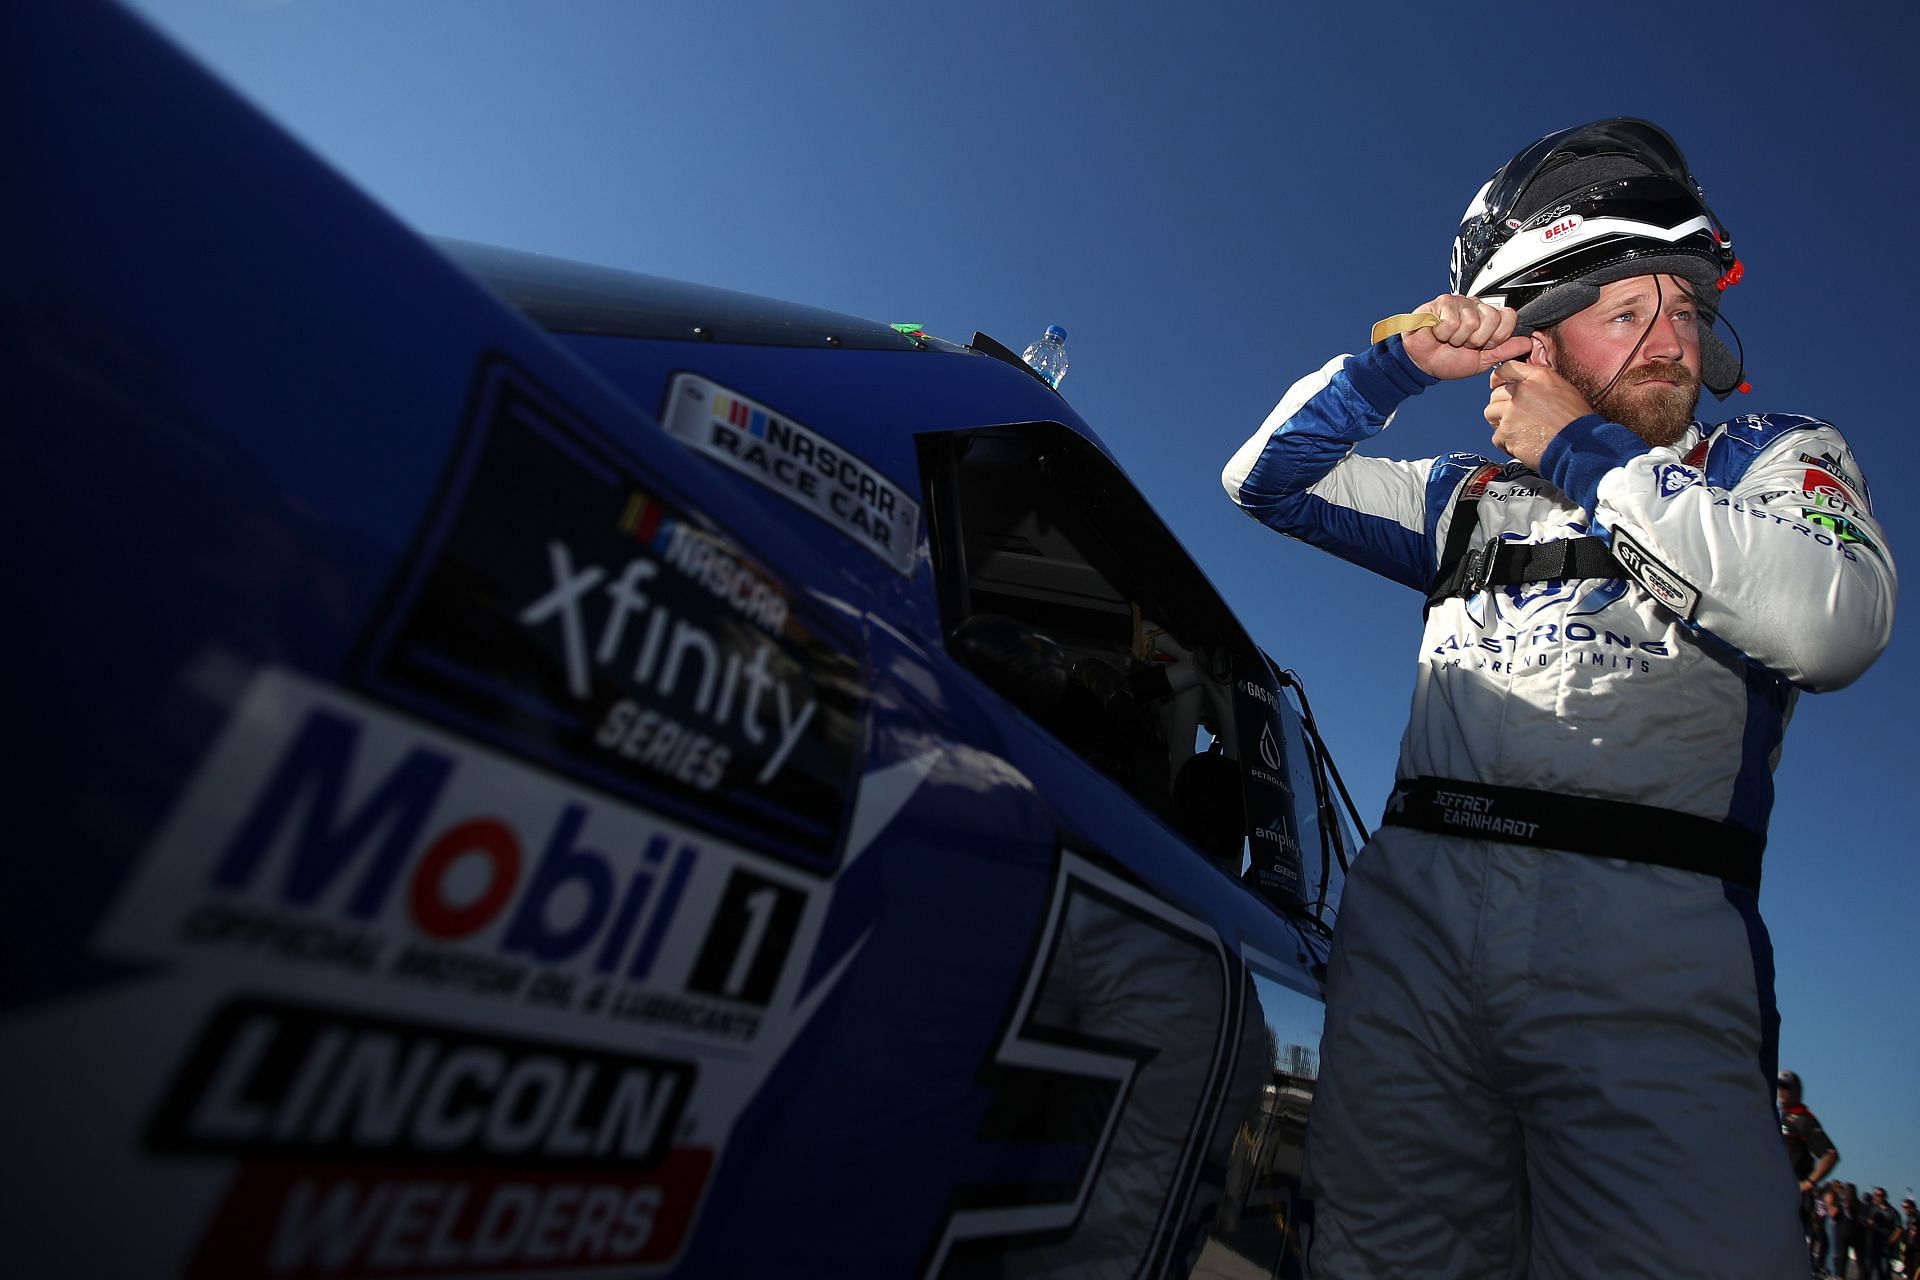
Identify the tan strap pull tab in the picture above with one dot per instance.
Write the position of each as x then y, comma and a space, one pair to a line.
1405, 322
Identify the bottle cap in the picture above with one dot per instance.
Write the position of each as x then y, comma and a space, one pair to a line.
1055, 332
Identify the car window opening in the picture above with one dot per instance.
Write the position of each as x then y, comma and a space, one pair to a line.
1065, 594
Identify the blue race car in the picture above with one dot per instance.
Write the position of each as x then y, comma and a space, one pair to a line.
527, 768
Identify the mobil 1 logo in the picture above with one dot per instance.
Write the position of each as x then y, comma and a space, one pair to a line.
565, 605
746, 946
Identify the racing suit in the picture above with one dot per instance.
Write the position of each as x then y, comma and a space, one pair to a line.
1548, 1063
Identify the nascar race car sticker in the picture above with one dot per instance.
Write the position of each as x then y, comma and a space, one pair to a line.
804, 467
440, 1010
561, 607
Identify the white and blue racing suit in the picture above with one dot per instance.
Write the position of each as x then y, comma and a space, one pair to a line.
1545, 1063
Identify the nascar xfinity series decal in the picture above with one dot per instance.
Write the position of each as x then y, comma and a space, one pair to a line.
562, 608
410, 1006
802, 466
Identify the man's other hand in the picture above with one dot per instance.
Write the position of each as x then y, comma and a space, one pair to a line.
1529, 406
1470, 337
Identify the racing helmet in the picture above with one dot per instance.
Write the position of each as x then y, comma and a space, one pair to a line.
1584, 207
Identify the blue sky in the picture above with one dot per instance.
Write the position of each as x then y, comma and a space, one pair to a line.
1213, 202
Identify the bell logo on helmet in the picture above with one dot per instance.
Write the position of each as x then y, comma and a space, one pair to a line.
1561, 230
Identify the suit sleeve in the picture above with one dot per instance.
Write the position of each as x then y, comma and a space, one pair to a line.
1780, 560
1298, 473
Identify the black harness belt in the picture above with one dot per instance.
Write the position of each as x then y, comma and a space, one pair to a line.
1501, 563
1578, 824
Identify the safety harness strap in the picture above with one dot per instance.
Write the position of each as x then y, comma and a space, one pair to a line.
1466, 570
1578, 824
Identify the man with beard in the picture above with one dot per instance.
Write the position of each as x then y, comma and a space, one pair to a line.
1550, 998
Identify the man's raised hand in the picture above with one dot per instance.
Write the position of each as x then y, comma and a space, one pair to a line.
1527, 406
1469, 337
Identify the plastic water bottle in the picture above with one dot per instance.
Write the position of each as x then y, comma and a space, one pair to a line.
1048, 357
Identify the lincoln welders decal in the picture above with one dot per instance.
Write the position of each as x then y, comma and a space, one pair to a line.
563, 608
802, 466
420, 1147
317, 1084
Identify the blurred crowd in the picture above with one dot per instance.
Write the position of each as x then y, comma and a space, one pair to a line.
1863, 1237
1850, 1236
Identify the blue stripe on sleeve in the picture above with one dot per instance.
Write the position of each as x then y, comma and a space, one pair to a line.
1375, 543
1385, 374
1585, 450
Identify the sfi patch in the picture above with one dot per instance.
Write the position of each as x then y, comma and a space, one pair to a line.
799, 464
1668, 587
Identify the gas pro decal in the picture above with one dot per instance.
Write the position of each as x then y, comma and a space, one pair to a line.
564, 608
1273, 824
800, 465
414, 1148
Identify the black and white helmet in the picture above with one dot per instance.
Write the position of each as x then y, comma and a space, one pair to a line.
1584, 207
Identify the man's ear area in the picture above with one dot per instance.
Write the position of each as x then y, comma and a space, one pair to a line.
1542, 353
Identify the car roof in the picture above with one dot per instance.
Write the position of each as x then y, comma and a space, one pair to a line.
564, 296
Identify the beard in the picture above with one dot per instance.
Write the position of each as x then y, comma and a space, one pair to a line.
1660, 415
